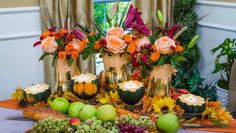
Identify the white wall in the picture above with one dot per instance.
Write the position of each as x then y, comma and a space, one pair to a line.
19, 65
220, 23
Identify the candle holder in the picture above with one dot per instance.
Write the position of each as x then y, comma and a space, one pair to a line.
85, 86
131, 92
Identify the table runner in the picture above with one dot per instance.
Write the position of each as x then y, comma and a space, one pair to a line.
13, 126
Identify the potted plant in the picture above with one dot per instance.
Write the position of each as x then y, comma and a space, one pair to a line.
223, 63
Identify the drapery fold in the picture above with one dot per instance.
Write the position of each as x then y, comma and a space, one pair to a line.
149, 9
67, 13
232, 89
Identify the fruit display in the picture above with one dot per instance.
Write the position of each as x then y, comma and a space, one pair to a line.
75, 108
191, 103
131, 91
37, 93
106, 113
129, 128
85, 86
60, 104
87, 112
52, 125
168, 123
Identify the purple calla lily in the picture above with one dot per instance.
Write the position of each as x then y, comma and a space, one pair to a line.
134, 20
170, 33
78, 34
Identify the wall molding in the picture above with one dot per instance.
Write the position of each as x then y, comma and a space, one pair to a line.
22, 35
17, 10
216, 3
217, 26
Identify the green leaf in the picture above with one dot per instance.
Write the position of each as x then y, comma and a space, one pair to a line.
160, 17
86, 53
70, 61
193, 42
152, 40
162, 60
43, 56
180, 58
144, 72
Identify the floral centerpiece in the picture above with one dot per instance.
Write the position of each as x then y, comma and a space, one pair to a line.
114, 45
157, 54
65, 47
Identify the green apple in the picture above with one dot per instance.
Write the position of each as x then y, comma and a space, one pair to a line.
75, 108
106, 113
87, 112
60, 104
168, 123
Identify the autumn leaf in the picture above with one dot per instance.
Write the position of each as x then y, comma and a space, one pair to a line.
147, 104
105, 99
114, 97
70, 96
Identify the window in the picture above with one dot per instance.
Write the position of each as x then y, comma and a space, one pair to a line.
101, 8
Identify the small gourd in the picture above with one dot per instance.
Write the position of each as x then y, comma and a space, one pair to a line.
131, 92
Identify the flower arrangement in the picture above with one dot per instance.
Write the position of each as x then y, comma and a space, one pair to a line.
160, 47
115, 40
62, 44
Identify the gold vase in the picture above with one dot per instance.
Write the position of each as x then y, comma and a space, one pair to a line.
115, 71
159, 80
63, 70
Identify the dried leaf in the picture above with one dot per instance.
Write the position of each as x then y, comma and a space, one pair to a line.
147, 104
105, 99
70, 96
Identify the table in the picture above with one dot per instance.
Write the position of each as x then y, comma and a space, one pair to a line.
9, 108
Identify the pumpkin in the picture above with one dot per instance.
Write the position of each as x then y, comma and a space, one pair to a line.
85, 86
131, 92
191, 103
37, 93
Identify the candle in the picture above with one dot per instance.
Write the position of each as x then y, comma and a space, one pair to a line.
191, 99
37, 88
130, 85
84, 78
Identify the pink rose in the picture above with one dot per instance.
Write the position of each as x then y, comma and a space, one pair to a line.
164, 45
143, 42
49, 44
115, 44
76, 44
116, 32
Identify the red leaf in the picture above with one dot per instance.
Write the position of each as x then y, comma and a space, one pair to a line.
37, 43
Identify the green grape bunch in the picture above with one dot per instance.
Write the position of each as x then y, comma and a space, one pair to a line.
94, 125
52, 125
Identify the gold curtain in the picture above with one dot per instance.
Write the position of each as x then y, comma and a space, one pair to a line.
149, 9
56, 12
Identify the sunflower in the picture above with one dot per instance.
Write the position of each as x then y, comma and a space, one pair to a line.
163, 105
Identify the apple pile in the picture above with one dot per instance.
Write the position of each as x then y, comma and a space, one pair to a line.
84, 111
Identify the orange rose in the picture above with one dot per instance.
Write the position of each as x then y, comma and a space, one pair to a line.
116, 32
96, 45
131, 48
91, 34
164, 45
143, 42
155, 56
154, 47
64, 31
128, 39
45, 34
62, 55
69, 47
74, 54
179, 48
49, 45
53, 33
115, 44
